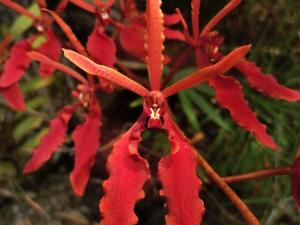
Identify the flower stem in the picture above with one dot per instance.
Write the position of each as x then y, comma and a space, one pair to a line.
242, 207
257, 174
84, 5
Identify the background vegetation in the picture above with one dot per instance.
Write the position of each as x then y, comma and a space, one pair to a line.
45, 197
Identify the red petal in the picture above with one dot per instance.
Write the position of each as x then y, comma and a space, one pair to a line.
132, 40
17, 63
173, 34
154, 43
52, 140
52, 49
101, 47
86, 138
295, 169
266, 83
14, 97
229, 95
177, 173
171, 19
128, 173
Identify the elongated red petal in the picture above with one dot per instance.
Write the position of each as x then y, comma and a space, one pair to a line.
195, 5
295, 171
52, 140
16, 64
154, 42
52, 49
266, 83
171, 19
132, 40
174, 34
14, 97
208, 72
86, 138
180, 185
220, 15
229, 95
105, 72
101, 48
128, 172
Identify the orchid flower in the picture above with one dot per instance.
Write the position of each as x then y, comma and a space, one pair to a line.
177, 171
229, 91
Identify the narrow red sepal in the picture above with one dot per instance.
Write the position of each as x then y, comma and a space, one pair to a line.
101, 48
16, 64
266, 83
295, 171
14, 97
173, 34
52, 49
128, 172
86, 138
52, 140
171, 19
180, 185
229, 95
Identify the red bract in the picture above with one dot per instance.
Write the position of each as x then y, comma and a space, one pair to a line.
207, 45
177, 171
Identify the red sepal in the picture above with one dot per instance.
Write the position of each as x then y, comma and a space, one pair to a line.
128, 173
16, 64
52, 49
52, 140
173, 34
171, 19
229, 95
266, 83
132, 40
14, 97
180, 185
101, 48
86, 138
295, 171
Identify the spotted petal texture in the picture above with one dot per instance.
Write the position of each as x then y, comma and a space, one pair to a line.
52, 140
86, 138
266, 83
180, 185
52, 49
128, 172
295, 169
229, 95
101, 48
16, 64
13, 97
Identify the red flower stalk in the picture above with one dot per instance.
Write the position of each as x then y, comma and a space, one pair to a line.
229, 93
177, 171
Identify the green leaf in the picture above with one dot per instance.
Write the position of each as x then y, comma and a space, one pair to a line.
37, 83
189, 110
205, 107
23, 23
25, 126
34, 140
135, 103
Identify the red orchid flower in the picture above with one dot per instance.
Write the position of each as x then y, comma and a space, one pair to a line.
229, 91
177, 171
85, 147
18, 61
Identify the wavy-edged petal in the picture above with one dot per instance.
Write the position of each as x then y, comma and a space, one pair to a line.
86, 138
266, 83
52, 140
16, 64
154, 39
132, 40
101, 48
229, 95
180, 184
52, 49
14, 97
128, 172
